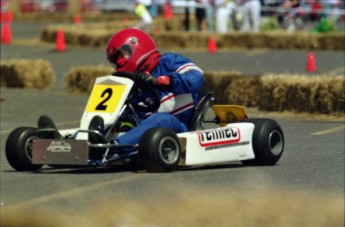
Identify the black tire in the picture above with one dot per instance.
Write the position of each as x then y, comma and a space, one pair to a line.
136, 164
268, 142
159, 150
19, 148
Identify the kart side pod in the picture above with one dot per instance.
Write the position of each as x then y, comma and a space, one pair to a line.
254, 141
230, 143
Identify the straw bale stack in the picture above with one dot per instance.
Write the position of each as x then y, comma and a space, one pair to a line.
244, 91
322, 94
26, 73
81, 79
173, 37
218, 82
297, 93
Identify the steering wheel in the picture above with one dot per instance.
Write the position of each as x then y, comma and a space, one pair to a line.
141, 102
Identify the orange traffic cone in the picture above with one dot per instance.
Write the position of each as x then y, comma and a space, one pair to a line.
9, 16
2, 16
6, 16
60, 41
77, 19
6, 34
311, 63
212, 45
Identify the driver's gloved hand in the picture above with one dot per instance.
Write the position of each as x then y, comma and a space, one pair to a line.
162, 82
144, 78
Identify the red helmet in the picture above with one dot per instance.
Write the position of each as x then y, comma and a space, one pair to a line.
132, 50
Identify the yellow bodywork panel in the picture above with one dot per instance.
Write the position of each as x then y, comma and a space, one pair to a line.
229, 113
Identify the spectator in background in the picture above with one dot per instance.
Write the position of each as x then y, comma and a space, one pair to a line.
200, 14
210, 15
288, 14
251, 15
223, 12
141, 11
272, 6
153, 8
332, 9
316, 10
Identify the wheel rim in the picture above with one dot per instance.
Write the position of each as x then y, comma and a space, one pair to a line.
169, 150
276, 142
28, 146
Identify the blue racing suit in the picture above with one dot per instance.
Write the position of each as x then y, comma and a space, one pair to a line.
177, 104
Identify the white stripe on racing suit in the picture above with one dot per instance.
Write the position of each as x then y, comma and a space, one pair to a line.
176, 104
187, 80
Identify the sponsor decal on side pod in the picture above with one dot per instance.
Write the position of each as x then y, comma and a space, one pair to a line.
217, 137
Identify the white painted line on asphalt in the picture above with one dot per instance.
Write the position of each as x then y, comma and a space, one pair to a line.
328, 131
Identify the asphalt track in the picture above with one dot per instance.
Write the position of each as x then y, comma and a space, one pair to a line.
313, 160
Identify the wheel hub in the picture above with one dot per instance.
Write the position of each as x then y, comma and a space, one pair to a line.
276, 142
169, 150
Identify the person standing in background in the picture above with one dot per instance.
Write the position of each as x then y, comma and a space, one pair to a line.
141, 11
251, 15
223, 13
153, 8
210, 11
200, 14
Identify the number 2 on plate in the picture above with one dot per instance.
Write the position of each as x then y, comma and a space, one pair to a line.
105, 98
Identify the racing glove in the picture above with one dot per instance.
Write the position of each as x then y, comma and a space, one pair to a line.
164, 83
144, 78
161, 83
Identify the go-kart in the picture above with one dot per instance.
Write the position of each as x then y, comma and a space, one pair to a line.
233, 137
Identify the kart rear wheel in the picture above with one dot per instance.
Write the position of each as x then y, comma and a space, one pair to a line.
268, 142
159, 150
19, 149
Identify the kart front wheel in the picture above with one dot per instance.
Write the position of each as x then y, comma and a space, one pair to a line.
19, 149
159, 150
268, 142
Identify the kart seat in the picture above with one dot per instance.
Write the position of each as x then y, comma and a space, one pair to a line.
200, 110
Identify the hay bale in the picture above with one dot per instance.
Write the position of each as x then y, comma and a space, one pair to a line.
319, 94
81, 79
48, 34
231, 40
94, 35
169, 40
278, 41
167, 25
298, 93
328, 95
244, 91
26, 73
330, 42
97, 34
218, 82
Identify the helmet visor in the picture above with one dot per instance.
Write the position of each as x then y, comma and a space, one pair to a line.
121, 56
